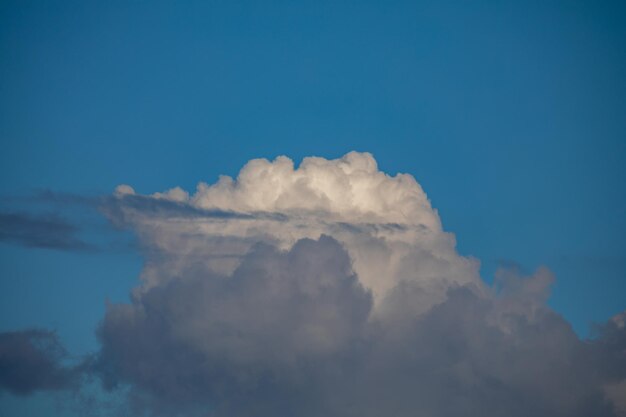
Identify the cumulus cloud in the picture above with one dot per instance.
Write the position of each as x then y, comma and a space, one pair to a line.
386, 223
33, 360
326, 289
332, 289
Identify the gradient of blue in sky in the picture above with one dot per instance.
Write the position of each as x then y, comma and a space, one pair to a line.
511, 115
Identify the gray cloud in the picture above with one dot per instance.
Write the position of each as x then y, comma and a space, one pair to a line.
118, 208
33, 360
292, 333
40, 231
478, 356
254, 335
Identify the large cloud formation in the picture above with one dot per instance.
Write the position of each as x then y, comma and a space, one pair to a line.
332, 290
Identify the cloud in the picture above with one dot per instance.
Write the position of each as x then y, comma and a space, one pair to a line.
332, 289
33, 360
292, 333
386, 223
251, 335
165, 208
40, 231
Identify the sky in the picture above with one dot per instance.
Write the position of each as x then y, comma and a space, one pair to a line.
510, 116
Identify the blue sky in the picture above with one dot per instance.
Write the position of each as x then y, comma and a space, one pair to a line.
511, 115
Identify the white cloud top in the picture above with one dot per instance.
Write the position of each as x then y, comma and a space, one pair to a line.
386, 223
350, 189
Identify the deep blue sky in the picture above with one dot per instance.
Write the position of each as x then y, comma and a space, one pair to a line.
512, 116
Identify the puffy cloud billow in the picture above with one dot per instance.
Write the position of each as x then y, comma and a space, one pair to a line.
386, 224
331, 289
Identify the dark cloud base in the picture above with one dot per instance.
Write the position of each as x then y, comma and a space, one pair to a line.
293, 334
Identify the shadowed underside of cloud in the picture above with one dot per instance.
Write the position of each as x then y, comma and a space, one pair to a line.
354, 303
332, 290
258, 334
43, 231
292, 333
32, 360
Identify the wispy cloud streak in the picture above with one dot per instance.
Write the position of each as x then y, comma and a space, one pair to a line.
40, 231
